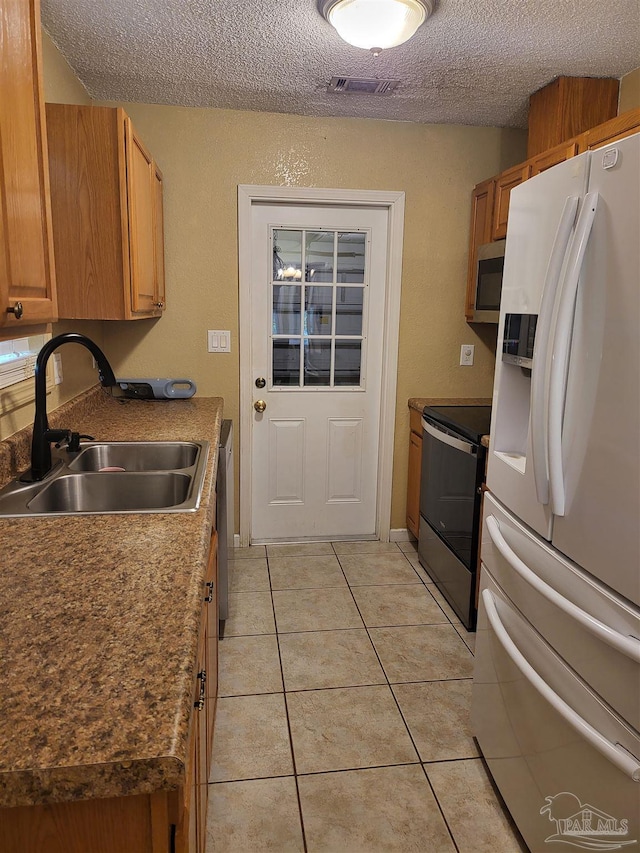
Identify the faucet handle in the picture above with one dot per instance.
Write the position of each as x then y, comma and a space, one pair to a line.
60, 436
66, 438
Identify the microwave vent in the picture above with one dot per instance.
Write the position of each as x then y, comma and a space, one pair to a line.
362, 85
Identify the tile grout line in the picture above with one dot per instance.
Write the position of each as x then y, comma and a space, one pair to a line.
406, 725
286, 710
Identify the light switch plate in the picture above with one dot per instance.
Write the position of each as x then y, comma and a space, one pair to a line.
466, 354
219, 340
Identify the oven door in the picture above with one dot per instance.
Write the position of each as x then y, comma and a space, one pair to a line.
449, 497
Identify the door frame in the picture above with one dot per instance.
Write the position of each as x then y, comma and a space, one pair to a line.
250, 194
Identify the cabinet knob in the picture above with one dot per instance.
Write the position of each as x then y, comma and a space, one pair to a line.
159, 304
17, 310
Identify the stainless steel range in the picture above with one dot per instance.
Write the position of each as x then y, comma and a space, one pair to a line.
453, 463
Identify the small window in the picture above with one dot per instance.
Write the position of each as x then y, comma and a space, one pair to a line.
18, 358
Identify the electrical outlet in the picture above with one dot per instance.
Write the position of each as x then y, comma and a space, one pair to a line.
219, 340
57, 368
466, 354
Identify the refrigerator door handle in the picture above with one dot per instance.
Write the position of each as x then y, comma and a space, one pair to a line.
616, 754
561, 347
539, 390
629, 646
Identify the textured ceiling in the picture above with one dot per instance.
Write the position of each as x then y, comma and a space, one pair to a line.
472, 62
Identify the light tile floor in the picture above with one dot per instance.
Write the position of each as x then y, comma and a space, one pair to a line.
343, 710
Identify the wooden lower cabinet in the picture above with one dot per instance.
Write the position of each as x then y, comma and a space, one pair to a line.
413, 475
162, 822
191, 836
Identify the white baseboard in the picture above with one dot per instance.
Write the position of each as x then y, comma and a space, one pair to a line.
401, 534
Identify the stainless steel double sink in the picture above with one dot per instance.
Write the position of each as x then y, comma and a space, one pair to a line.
114, 477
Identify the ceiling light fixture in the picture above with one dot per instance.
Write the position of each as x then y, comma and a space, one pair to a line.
376, 25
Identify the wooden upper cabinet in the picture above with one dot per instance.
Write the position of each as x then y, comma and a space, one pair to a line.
482, 200
617, 128
554, 156
504, 184
106, 197
27, 278
567, 107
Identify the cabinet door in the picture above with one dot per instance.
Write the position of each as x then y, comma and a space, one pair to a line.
27, 281
159, 237
413, 478
482, 200
554, 156
617, 128
504, 184
202, 764
211, 651
141, 193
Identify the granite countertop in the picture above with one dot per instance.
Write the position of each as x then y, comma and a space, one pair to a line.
100, 617
418, 403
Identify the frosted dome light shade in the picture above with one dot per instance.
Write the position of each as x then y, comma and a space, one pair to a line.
377, 23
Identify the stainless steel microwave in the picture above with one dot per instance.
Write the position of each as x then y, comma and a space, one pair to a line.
489, 266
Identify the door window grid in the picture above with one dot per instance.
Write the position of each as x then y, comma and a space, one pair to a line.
303, 353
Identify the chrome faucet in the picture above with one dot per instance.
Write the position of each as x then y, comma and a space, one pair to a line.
42, 435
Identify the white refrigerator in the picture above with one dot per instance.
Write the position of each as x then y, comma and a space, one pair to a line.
556, 694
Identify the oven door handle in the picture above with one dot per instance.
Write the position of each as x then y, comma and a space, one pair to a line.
452, 441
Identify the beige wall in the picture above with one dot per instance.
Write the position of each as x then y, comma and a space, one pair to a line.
204, 154
629, 91
16, 407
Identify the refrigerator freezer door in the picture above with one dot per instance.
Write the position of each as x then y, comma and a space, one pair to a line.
564, 763
595, 631
601, 450
540, 233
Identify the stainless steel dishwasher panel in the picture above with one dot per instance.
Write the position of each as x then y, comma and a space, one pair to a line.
224, 515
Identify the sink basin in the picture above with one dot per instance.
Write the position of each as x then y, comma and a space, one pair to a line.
157, 477
137, 456
112, 492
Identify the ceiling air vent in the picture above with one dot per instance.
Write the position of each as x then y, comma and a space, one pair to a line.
362, 85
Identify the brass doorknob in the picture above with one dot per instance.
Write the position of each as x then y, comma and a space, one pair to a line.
259, 405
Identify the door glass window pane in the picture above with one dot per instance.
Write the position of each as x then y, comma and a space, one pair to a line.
351, 249
286, 309
319, 255
318, 305
349, 310
287, 255
347, 366
317, 362
286, 362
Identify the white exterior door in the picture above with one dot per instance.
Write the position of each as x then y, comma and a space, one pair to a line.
318, 289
